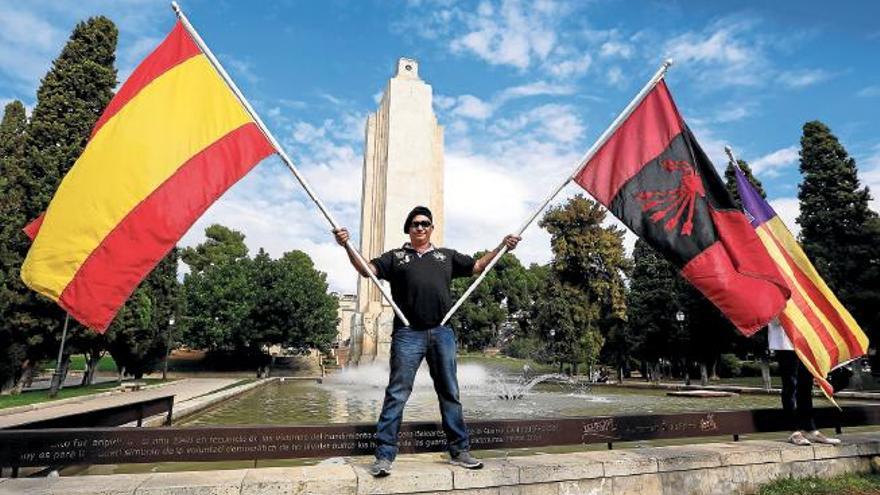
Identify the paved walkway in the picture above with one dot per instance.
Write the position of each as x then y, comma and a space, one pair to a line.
183, 390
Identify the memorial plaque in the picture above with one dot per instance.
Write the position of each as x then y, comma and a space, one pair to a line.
63, 446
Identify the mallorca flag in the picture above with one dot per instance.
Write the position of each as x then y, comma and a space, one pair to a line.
652, 175
822, 331
170, 142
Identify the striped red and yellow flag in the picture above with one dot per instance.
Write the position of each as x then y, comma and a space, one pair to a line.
822, 331
172, 140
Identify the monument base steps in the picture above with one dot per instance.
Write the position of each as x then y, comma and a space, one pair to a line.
704, 469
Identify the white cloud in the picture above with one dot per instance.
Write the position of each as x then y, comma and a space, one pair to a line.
803, 78
770, 165
616, 49
27, 45
615, 76
570, 67
722, 54
869, 91
472, 107
511, 34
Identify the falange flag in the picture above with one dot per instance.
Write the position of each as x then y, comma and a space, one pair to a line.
652, 174
171, 141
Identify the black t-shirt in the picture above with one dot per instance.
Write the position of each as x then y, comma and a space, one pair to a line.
420, 284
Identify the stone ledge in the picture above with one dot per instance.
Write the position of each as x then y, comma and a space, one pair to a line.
701, 469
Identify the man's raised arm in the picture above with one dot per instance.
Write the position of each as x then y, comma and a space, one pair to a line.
510, 241
342, 238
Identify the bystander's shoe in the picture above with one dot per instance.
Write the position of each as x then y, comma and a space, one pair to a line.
816, 436
465, 460
380, 468
798, 438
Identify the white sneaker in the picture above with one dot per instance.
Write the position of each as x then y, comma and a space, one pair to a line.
798, 438
816, 436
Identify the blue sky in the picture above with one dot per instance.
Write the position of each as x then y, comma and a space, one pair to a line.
522, 89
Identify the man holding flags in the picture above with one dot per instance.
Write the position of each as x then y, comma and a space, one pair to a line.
420, 275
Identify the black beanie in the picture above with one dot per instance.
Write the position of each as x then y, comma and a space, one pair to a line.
418, 210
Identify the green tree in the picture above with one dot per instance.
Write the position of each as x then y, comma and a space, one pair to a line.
70, 99
12, 138
839, 231
492, 312
294, 307
586, 290
240, 306
222, 245
652, 304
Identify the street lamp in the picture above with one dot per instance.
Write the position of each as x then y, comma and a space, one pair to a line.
167, 348
679, 317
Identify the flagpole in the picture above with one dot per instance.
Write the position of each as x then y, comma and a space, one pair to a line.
281, 153
627, 111
729, 151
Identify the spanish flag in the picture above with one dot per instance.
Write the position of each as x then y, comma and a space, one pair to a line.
172, 140
822, 331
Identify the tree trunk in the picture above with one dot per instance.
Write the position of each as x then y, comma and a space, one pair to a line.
765, 373
714, 375
91, 368
30, 372
27, 377
704, 374
687, 373
620, 375
120, 374
59, 376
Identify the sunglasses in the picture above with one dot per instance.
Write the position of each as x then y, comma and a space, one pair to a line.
423, 224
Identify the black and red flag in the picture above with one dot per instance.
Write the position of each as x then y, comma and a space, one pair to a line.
652, 174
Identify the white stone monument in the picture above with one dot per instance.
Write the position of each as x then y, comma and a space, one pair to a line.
403, 168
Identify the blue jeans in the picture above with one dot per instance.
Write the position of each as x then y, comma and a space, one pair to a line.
408, 347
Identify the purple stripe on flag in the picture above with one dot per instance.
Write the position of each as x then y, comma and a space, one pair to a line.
756, 208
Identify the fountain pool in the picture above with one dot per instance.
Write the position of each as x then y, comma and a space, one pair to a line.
355, 395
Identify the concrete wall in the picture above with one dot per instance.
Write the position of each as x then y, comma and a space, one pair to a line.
703, 469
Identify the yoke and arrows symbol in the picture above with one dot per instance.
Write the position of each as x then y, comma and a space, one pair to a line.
675, 200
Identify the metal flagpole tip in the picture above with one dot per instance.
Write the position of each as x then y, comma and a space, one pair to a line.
175, 7
667, 63
728, 149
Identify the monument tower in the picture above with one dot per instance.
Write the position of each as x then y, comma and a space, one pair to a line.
403, 168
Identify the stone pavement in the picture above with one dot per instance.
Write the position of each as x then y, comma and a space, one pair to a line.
702, 469
183, 390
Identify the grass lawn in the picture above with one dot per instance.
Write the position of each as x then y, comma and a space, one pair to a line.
43, 395
504, 363
78, 362
850, 484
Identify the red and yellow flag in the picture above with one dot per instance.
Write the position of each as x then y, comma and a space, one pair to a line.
172, 140
822, 331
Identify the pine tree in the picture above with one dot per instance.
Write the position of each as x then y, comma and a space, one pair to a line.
70, 99
12, 138
839, 231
